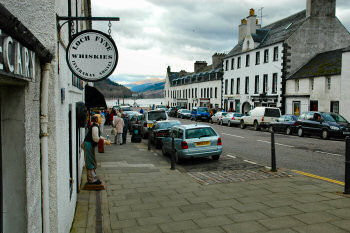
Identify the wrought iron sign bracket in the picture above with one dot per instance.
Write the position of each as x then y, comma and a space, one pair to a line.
72, 18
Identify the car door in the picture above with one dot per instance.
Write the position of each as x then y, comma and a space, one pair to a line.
315, 124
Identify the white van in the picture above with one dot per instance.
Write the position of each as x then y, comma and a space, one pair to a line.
260, 117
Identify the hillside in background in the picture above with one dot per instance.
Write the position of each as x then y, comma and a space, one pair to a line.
111, 89
147, 85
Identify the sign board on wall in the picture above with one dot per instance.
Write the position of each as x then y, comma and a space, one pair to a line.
92, 55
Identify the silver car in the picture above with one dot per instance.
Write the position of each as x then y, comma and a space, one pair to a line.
193, 141
231, 118
217, 117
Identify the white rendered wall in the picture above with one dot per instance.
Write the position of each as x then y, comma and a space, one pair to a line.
251, 71
345, 86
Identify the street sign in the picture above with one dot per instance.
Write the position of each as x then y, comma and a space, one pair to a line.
92, 55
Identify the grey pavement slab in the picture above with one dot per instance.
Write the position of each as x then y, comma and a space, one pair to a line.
143, 195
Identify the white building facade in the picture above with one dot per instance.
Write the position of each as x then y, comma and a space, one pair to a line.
201, 88
40, 138
257, 68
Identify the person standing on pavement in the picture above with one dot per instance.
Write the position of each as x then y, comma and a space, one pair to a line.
90, 142
125, 128
118, 123
141, 110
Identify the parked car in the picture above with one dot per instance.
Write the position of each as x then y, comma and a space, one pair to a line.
231, 118
149, 118
200, 113
172, 112
324, 124
216, 117
260, 117
160, 130
286, 124
134, 120
184, 113
193, 141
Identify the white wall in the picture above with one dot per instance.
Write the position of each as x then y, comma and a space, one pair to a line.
251, 71
345, 86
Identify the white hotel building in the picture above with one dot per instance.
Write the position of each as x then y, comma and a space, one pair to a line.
201, 88
257, 68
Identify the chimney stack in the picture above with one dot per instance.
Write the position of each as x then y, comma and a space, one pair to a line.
217, 59
251, 22
168, 70
320, 8
242, 30
198, 65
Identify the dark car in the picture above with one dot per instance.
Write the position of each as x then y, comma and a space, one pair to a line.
324, 124
285, 124
134, 120
184, 113
161, 130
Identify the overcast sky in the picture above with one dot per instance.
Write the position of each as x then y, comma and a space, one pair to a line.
154, 34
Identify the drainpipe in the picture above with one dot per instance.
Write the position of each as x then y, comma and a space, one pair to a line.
44, 147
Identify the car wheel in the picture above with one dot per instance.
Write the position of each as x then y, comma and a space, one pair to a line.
164, 151
271, 129
215, 157
242, 125
256, 126
288, 131
325, 134
300, 132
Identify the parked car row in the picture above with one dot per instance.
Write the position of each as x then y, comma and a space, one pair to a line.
323, 124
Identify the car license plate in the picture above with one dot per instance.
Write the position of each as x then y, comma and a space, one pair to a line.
202, 143
150, 125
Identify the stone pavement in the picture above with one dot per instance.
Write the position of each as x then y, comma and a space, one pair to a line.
143, 195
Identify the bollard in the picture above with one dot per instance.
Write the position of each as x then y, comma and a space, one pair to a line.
273, 153
172, 153
347, 166
149, 139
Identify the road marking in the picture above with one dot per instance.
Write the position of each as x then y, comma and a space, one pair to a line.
275, 143
248, 161
232, 156
319, 177
232, 135
322, 152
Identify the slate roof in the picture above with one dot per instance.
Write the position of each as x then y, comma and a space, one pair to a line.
173, 75
273, 33
323, 64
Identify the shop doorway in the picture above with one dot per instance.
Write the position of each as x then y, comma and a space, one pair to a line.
246, 107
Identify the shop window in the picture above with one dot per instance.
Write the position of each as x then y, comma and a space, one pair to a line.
313, 105
296, 108
335, 106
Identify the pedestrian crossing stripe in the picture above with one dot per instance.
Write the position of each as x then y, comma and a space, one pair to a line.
319, 177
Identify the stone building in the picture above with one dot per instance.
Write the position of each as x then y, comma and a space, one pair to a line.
256, 69
41, 159
200, 88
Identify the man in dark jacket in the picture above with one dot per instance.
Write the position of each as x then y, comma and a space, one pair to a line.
125, 128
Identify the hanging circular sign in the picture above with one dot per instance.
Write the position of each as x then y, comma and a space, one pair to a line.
92, 55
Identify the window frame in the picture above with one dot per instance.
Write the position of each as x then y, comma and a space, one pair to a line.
257, 58
266, 55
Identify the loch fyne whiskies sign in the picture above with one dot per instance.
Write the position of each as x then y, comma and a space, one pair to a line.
92, 55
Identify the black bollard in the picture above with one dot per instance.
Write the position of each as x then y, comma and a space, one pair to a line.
149, 139
347, 166
172, 153
273, 153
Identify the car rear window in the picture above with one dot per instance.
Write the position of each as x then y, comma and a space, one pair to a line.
156, 116
203, 110
200, 132
272, 112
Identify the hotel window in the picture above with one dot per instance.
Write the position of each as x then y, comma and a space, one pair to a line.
297, 85
257, 58
216, 92
265, 83
238, 84
226, 84
226, 66
312, 83
232, 82
246, 85
274, 83
205, 92
247, 60
195, 92
238, 62
201, 92
211, 92
232, 63
275, 53
192, 92
256, 89
266, 56
328, 83
208, 92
